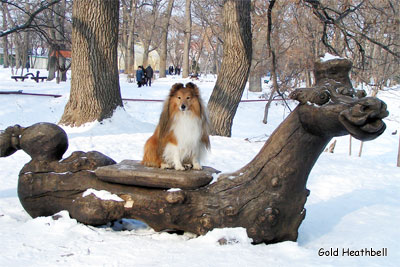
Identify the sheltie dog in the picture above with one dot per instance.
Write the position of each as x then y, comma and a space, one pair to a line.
181, 136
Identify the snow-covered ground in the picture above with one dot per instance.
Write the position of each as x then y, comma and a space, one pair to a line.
354, 202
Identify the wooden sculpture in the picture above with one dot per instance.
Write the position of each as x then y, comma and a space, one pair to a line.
266, 196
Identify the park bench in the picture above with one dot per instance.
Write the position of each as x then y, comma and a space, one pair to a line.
22, 78
31, 75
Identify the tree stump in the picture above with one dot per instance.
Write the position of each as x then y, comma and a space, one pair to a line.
266, 196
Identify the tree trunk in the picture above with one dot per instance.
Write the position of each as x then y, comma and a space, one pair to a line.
255, 80
268, 105
232, 76
95, 91
51, 65
274, 74
146, 51
56, 61
6, 63
130, 57
257, 68
186, 45
308, 78
123, 33
164, 37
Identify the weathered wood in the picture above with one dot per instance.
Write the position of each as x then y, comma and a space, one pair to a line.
266, 196
131, 172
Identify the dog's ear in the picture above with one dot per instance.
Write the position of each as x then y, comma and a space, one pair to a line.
175, 89
195, 90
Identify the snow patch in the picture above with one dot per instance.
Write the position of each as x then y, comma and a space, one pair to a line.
215, 177
225, 236
328, 56
102, 194
174, 189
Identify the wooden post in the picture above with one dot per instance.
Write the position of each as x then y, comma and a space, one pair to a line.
350, 146
361, 148
398, 154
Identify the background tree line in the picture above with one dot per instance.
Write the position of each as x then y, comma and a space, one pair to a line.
286, 38
302, 31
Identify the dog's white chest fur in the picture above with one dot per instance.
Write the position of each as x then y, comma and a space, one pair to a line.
187, 129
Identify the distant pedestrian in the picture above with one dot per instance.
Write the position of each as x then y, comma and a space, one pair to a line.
171, 70
149, 75
27, 66
140, 76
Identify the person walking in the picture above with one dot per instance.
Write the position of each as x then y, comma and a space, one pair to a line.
140, 76
149, 74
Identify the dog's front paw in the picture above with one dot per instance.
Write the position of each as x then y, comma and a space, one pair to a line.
166, 166
179, 167
197, 166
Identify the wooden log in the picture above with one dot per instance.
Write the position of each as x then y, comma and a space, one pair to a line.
131, 172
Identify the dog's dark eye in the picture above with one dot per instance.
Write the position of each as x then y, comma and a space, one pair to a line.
179, 97
188, 97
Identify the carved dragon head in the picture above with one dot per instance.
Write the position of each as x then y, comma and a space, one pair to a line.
334, 108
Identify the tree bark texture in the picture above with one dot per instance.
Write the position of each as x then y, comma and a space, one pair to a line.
95, 91
186, 45
234, 71
164, 35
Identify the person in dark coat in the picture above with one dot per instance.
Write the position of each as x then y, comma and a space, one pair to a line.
140, 76
171, 70
177, 70
149, 74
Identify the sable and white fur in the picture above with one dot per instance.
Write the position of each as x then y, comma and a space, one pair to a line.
181, 137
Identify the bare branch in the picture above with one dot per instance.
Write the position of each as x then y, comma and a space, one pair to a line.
31, 18
347, 31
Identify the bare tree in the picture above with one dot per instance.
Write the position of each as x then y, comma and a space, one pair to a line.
259, 56
127, 32
57, 62
29, 22
4, 38
273, 56
208, 16
366, 31
95, 92
36, 22
164, 38
235, 66
188, 33
147, 28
